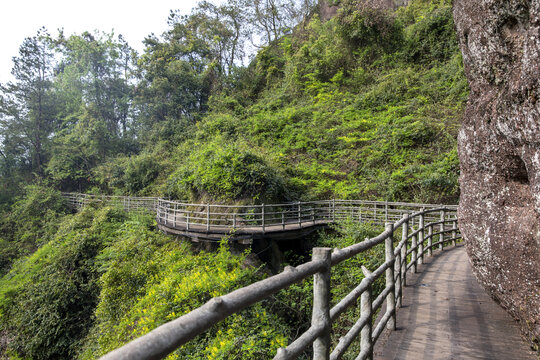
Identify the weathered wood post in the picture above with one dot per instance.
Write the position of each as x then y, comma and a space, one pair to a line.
386, 211
187, 219
366, 343
391, 297
397, 274
403, 271
414, 253
334, 210
207, 217
430, 240
441, 229
283, 219
321, 304
454, 233
421, 238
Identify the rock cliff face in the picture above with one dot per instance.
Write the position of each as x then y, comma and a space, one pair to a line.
499, 151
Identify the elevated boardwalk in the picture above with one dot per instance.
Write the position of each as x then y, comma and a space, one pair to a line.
243, 223
433, 303
447, 315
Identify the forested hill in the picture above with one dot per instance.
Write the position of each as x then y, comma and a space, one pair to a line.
365, 105
237, 103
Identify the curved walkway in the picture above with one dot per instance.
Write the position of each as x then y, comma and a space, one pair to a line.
447, 315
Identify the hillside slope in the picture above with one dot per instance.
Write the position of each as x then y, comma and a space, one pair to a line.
365, 105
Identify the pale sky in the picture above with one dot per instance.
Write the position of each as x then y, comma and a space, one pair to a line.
134, 19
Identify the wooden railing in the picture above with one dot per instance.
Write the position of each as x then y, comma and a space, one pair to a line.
419, 230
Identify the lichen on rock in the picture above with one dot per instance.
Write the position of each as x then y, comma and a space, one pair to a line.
499, 151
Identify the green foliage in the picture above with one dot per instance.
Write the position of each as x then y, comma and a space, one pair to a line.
32, 218
106, 277
431, 38
222, 172
141, 171
150, 280
47, 299
374, 30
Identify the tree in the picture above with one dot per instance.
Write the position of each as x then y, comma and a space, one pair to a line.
274, 18
27, 105
97, 72
95, 83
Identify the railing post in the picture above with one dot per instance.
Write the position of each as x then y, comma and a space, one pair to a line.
187, 220
403, 260
414, 253
158, 212
454, 233
390, 276
441, 229
283, 219
174, 218
166, 213
321, 304
366, 310
234, 221
430, 240
300, 214
207, 217
334, 210
386, 211
262, 217
421, 238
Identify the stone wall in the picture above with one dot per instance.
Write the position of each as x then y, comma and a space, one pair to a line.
499, 151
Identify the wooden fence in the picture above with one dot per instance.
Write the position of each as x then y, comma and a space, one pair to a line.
421, 232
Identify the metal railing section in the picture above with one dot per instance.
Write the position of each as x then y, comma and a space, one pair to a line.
276, 217
418, 232
129, 203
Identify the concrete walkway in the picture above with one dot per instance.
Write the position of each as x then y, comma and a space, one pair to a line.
447, 315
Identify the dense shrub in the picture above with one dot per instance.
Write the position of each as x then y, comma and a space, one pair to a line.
32, 218
141, 172
47, 300
150, 280
226, 172
432, 38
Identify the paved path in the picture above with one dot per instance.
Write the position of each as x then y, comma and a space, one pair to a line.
447, 315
